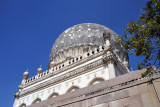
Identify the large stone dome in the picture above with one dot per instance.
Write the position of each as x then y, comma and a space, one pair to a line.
81, 34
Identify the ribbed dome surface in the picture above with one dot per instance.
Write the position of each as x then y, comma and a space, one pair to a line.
85, 33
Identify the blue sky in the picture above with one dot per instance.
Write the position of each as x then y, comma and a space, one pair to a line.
28, 29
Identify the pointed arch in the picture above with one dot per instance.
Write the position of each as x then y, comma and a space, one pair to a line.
73, 88
37, 100
54, 94
23, 105
95, 81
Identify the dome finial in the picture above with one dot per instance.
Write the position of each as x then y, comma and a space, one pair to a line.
39, 70
25, 76
26, 73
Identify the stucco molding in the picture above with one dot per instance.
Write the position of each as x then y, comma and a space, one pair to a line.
81, 70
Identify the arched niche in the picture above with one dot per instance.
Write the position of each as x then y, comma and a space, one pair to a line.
53, 95
22, 105
73, 88
37, 100
95, 81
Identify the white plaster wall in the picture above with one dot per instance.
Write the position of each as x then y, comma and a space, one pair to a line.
61, 88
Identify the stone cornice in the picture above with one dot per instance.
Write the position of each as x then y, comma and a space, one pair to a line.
62, 77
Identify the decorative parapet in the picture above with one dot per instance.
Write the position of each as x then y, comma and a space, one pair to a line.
72, 73
63, 77
71, 63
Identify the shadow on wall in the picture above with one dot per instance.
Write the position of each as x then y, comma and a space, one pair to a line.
95, 81
54, 94
73, 88
37, 100
22, 105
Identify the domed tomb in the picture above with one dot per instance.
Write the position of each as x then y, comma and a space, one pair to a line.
80, 38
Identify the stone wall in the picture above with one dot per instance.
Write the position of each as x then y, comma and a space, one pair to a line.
129, 90
137, 96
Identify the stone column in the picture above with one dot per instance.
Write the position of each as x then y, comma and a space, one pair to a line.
111, 69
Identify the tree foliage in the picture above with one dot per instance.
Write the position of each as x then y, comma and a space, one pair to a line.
142, 37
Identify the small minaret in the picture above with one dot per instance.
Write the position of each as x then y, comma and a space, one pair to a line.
126, 64
106, 37
25, 76
110, 64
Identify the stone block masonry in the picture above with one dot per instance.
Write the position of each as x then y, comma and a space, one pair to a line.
129, 90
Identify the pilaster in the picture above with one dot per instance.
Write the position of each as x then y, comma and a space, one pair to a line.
111, 69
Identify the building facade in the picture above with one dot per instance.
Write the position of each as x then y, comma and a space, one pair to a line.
85, 64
